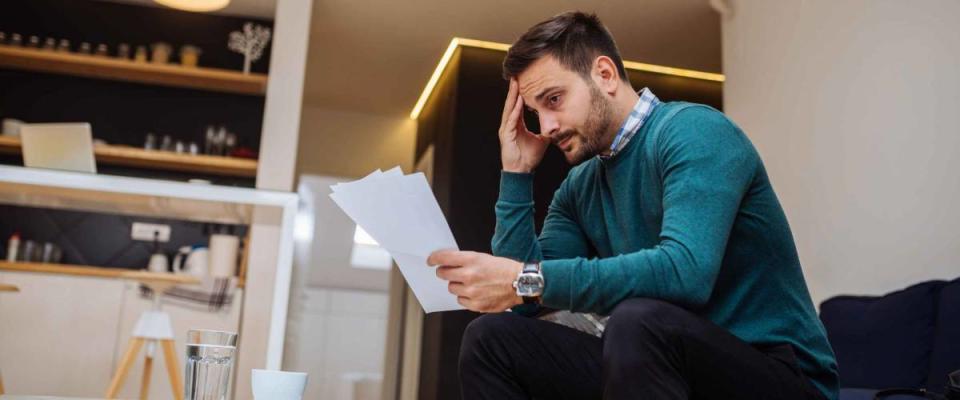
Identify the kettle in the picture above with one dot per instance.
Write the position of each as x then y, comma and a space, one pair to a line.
191, 260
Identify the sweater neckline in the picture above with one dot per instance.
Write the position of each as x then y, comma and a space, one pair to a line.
640, 136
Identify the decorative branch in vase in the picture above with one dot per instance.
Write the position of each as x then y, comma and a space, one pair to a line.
250, 42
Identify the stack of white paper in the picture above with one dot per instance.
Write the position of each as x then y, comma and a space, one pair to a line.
401, 214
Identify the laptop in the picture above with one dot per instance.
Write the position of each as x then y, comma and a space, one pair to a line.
63, 146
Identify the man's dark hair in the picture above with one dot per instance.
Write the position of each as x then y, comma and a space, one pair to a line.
574, 38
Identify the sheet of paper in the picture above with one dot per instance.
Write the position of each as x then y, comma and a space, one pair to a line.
400, 212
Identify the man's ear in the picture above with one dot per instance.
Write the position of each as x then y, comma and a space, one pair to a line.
605, 74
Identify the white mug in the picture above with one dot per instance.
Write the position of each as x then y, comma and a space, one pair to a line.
196, 263
192, 260
278, 385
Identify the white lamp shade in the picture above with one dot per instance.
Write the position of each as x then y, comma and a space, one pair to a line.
195, 5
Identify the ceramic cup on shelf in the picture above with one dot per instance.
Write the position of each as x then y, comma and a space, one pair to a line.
158, 263
189, 55
192, 260
160, 53
223, 255
278, 385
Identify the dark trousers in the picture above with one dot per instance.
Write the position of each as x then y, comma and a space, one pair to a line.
650, 350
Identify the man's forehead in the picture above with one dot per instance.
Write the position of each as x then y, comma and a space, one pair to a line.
541, 73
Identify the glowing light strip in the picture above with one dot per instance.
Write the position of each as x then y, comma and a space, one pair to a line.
483, 44
427, 90
687, 73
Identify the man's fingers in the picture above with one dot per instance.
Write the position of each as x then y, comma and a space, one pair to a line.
511, 122
440, 257
457, 289
452, 274
509, 102
465, 302
450, 257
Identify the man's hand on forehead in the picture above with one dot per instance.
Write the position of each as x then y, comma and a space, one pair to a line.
520, 149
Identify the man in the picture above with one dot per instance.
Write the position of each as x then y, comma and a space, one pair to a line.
668, 225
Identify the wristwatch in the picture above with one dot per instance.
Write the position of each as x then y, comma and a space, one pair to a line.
529, 283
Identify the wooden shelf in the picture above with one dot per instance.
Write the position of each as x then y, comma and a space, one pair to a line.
109, 68
98, 272
163, 160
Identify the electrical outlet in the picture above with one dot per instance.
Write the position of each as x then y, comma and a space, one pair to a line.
145, 231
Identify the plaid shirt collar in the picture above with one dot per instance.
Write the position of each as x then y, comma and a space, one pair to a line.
634, 121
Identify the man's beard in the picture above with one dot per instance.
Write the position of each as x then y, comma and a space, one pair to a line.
595, 129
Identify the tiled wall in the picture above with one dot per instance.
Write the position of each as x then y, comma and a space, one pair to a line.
338, 338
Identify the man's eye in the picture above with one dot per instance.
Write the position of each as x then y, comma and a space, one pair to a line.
554, 100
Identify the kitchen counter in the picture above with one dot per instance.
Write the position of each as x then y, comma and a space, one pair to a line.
269, 213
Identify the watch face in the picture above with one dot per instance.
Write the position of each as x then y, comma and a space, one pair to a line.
530, 285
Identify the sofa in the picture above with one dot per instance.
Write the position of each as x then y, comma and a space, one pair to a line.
906, 339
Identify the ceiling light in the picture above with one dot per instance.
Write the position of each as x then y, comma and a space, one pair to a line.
195, 5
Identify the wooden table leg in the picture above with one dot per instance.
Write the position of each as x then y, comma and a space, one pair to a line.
145, 382
125, 363
1, 384
170, 358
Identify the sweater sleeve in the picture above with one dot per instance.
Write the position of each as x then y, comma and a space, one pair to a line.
706, 165
515, 235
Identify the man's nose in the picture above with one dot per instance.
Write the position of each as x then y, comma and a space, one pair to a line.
548, 126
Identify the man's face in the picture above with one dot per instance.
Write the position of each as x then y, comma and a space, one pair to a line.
574, 113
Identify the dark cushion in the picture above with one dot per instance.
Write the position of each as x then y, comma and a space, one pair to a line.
946, 340
867, 394
883, 342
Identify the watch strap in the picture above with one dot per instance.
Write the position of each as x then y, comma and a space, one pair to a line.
531, 268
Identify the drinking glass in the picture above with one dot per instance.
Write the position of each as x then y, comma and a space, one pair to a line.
210, 357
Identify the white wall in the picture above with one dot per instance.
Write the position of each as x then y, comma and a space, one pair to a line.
336, 336
855, 108
351, 144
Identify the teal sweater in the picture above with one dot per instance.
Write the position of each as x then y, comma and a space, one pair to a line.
684, 213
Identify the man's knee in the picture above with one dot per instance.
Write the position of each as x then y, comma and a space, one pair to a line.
480, 335
638, 316
485, 328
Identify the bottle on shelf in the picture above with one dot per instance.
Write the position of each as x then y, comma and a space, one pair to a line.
123, 51
150, 143
13, 245
63, 46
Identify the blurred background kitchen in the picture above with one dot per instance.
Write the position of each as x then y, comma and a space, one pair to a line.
203, 136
